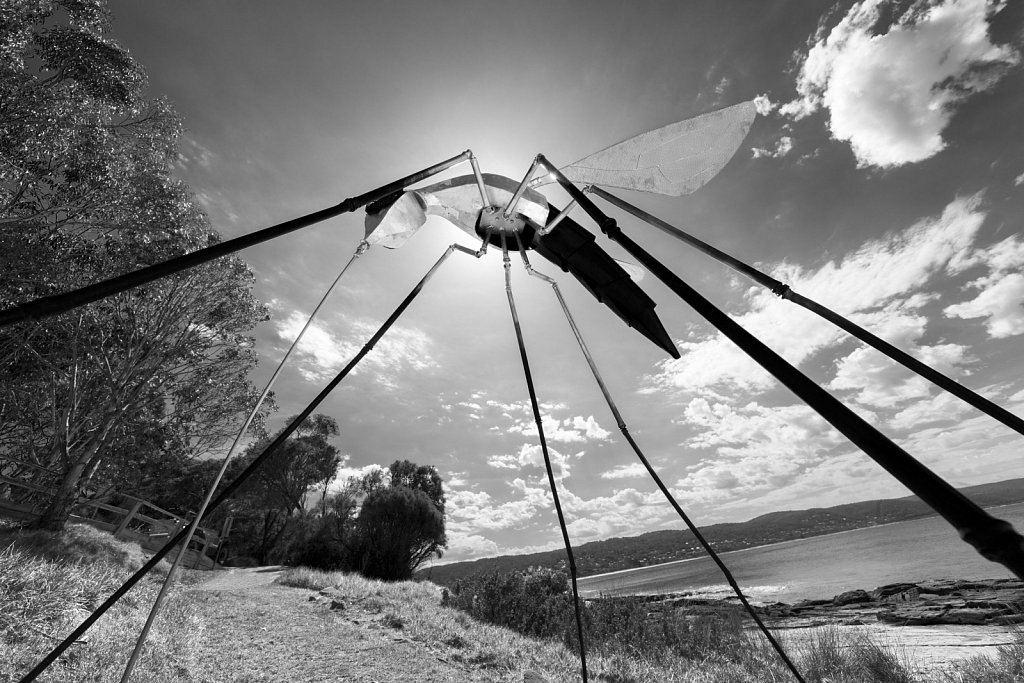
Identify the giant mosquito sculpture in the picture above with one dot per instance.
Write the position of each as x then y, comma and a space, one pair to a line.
514, 216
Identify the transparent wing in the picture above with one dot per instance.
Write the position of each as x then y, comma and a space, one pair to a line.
673, 160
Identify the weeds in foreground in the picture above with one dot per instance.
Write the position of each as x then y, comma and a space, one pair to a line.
312, 579
1006, 667
50, 582
831, 656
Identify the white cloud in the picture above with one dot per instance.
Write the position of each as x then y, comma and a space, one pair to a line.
1019, 180
943, 407
531, 455
891, 95
881, 382
469, 546
1002, 289
569, 430
782, 147
456, 479
345, 473
321, 354
622, 512
1000, 303
754, 449
879, 282
470, 511
589, 427
629, 471
763, 105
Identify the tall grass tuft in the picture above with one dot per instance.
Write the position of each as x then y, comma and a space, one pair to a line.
50, 582
305, 577
835, 658
1006, 667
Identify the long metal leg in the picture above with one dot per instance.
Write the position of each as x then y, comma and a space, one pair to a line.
993, 538
47, 306
511, 206
654, 475
544, 449
231, 488
783, 291
168, 581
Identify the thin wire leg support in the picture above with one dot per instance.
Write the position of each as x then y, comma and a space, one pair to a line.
169, 580
547, 459
654, 475
231, 488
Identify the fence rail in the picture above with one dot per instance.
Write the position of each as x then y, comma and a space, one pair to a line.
141, 522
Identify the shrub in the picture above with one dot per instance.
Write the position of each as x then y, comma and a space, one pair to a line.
534, 603
397, 530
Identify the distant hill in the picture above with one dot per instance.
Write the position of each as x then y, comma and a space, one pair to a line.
656, 547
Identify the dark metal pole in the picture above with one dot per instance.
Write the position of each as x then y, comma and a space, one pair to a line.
47, 306
544, 450
993, 538
654, 474
783, 291
231, 488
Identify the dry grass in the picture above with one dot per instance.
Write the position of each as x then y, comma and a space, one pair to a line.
1006, 667
46, 590
743, 656
50, 582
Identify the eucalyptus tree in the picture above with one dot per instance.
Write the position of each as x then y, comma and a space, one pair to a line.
87, 191
276, 499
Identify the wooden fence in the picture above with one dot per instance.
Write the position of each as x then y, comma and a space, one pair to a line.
140, 522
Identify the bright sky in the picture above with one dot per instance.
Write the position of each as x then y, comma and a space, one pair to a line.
884, 179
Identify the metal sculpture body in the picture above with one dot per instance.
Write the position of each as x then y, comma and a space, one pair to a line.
515, 216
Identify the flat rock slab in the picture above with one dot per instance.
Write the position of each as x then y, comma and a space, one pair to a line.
932, 623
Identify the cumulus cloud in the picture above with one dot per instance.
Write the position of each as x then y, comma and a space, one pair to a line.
878, 381
943, 407
751, 450
531, 455
471, 511
1001, 290
629, 471
1000, 303
878, 284
558, 430
782, 147
763, 105
890, 95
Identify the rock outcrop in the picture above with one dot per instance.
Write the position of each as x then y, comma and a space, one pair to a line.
996, 602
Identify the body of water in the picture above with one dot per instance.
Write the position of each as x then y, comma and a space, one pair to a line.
822, 566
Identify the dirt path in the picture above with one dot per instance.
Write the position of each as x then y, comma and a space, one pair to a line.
259, 631
240, 578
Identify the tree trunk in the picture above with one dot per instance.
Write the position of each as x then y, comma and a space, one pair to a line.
56, 514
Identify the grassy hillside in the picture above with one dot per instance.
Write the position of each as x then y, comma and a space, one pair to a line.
400, 632
656, 547
50, 582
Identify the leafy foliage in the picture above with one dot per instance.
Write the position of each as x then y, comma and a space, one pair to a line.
538, 602
399, 528
86, 192
270, 510
383, 526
